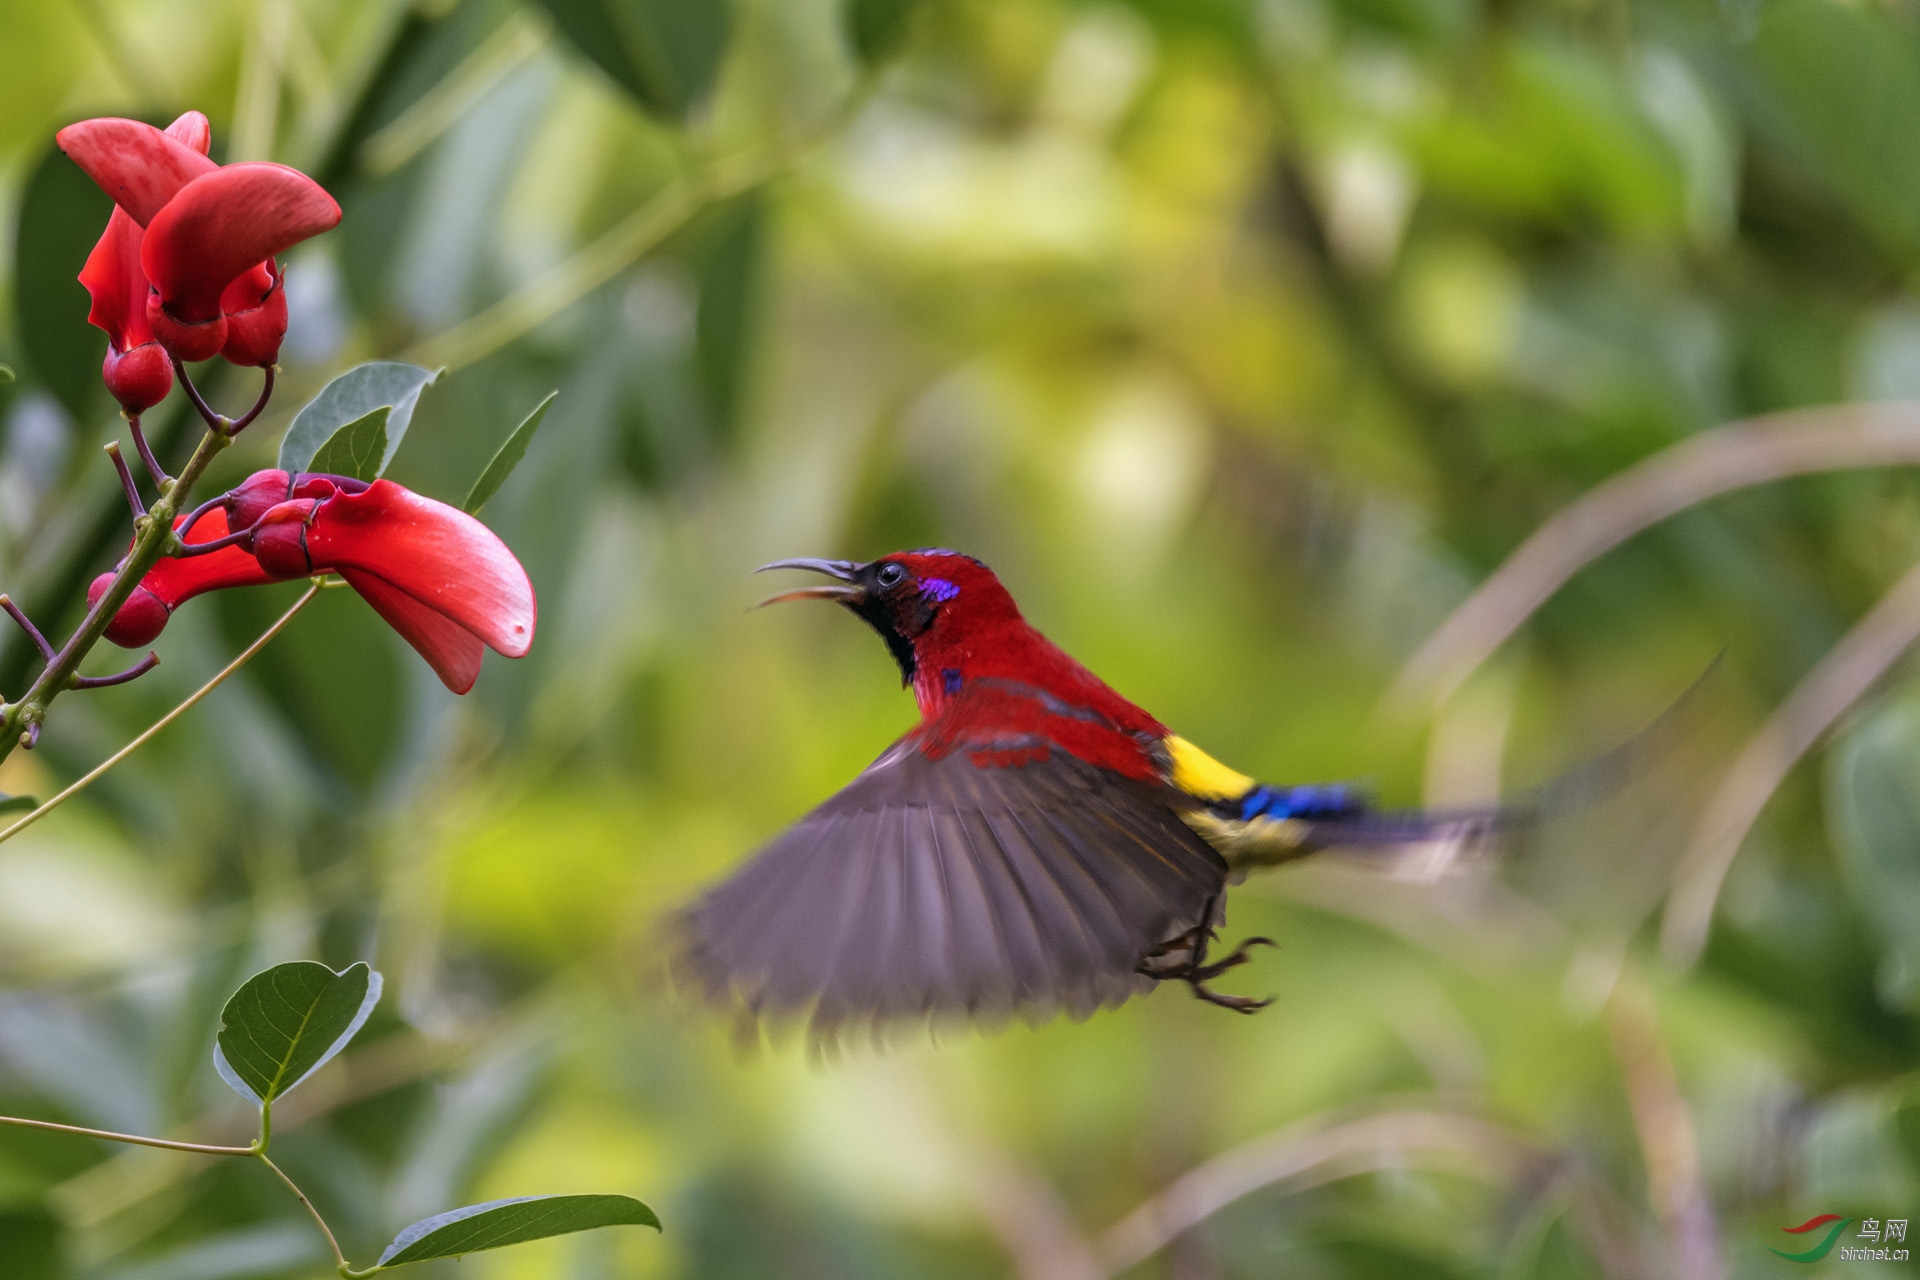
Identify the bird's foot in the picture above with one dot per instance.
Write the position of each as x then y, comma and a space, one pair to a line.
1208, 972
1166, 963
1239, 1004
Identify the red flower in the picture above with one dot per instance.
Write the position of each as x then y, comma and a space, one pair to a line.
175, 581
211, 234
136, 370
439, 577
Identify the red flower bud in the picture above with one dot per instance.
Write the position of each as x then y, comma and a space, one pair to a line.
279, 541
264, 490
140, 620
138, 379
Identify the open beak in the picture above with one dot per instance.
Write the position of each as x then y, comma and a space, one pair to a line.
846, 570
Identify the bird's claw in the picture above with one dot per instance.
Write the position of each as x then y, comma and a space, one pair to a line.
1239, 1004
1207, 973
1192, 968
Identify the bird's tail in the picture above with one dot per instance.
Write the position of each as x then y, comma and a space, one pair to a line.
1263, 825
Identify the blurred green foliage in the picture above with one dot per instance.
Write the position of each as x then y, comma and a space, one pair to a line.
1241, 337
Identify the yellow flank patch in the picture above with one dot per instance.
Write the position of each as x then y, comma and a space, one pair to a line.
1199, 774
1262, 842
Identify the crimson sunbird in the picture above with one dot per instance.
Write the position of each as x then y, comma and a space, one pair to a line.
1036, 843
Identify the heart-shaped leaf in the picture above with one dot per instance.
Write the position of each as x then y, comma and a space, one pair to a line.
503, 1222
358, 449
507, 458
16, 804
347, 400
284, 1024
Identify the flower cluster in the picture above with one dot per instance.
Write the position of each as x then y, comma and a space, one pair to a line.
438, 576
186, 269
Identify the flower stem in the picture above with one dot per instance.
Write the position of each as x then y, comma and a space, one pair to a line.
155, 471
153, 534
205, 689
200, 1148
339, 1259
126, 480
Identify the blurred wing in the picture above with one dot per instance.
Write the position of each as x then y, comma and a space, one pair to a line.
955, 886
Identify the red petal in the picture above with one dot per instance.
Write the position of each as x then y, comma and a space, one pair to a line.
138, 165
176, 580
450, 649
256, 309
113, 277
441, 556
193, 130
227, 222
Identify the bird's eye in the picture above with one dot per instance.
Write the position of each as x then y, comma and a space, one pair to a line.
890, 575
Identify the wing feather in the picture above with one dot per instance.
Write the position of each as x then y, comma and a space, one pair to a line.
953, 887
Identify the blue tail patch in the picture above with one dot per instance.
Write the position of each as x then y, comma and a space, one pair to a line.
1331, 800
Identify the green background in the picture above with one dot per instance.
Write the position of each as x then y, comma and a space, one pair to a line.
1242, 337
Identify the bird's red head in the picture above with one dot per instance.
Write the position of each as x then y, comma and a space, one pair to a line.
949, 624
933, 608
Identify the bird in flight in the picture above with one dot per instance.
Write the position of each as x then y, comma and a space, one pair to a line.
1036, 844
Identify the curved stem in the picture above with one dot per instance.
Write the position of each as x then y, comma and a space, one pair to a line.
1839, 680
217, 422
193, 517
157, 472
240, 423
193, 698
200, 1148
1749, 452
189, 549
19, 615
339, 1259
126, 480
133, 672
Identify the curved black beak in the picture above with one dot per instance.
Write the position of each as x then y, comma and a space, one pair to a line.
845, 570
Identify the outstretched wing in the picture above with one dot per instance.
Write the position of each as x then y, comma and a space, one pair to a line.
1000, 877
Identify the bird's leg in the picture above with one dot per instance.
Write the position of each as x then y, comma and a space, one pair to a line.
1194, 969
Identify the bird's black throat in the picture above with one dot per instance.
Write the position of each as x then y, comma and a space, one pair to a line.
885, 616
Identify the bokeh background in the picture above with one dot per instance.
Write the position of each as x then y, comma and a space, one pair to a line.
1243, 337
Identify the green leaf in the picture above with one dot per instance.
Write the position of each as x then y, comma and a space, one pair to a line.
665, 53
503, 1222
876, 28
30, 1241
1846, 94
507, 458
61, 215
349, 399
1873, 799
358, 449
17, 804
284, 1024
